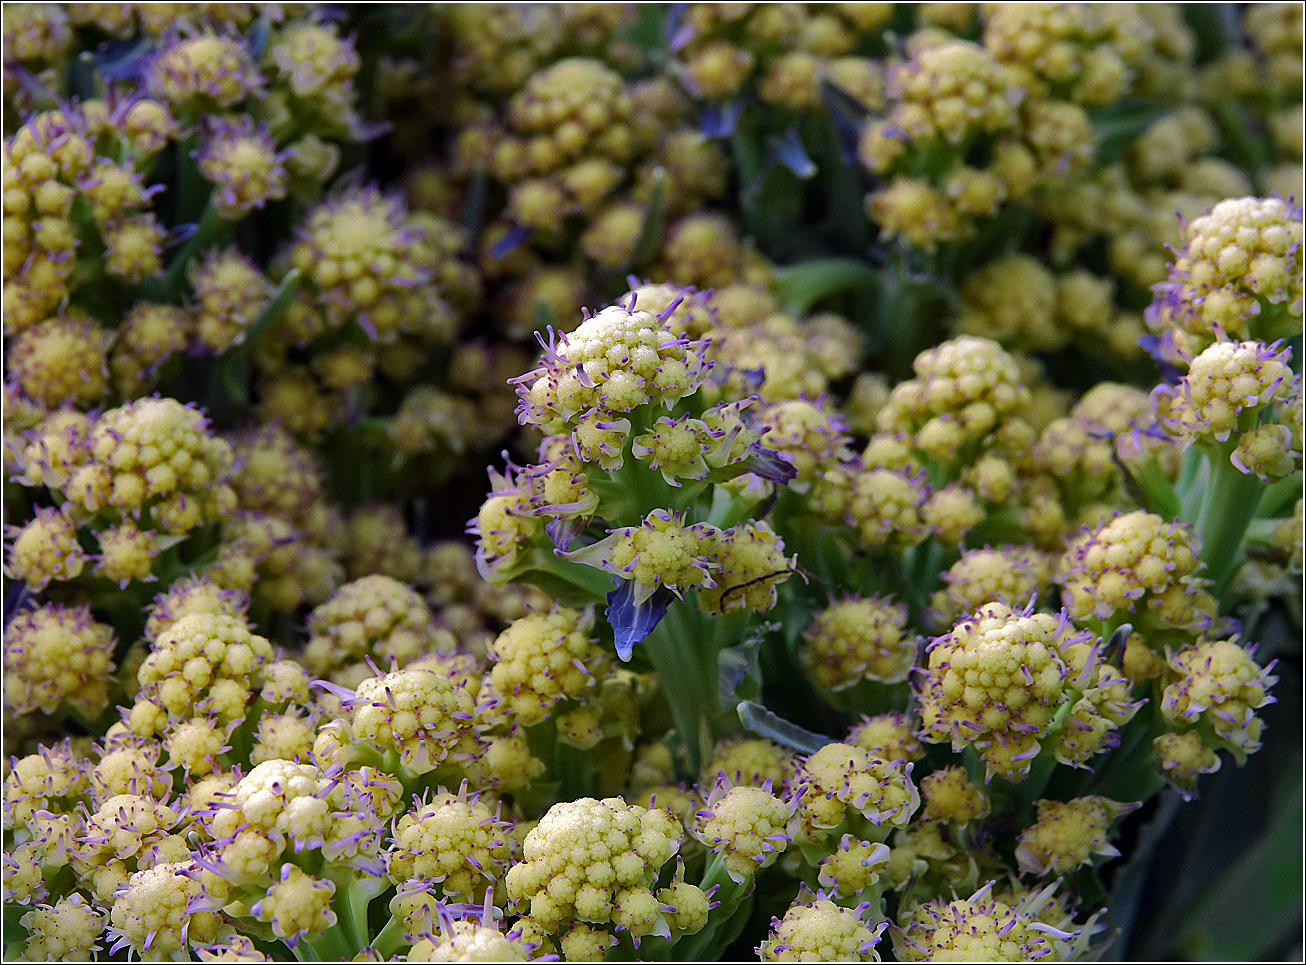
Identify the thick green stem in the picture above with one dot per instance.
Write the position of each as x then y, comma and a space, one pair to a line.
686, 666
1227, 508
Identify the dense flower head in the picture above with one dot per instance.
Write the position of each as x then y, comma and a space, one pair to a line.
542, 659
884, 506
595, 861
45, 549
748, 762
852, 867
749, 564
194, 594
207, 69
453, 840
279, 476
997, 681
229, 293
468, 940
1239, 272
62, 360
66, 930
53, 779
1226, 380
746, 825
810, 435
1013, 301
368, 259
375, 617
1218, 684
1083, 52
949, 796
1136, 563
243, 165
207, 661
1067, 835
962, 390
157, 455
313, 66
842, 780
818, 930
1012, 575
855, 639
950, 90
55, 654
151, 914
150, 334
426, 717
615, 360
889, 736
573, 108
1182, 758
662, 552
297, 904
980, 927
124, 833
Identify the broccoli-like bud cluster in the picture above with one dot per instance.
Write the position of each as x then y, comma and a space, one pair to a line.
888, 737
205, 663
1011, 575
152, 913
1217, 684
204, 71
1085, 54
595, 861
999, 680
856, 639
455, 841
1227, 386
746, 826
612, 362
821, 931
1136, 563
1182, 758
1239, 273
154, 455
963, 391
844, 783
984, 927
852, 867
543, 659
67, 930
949, 796
56, 654
1067, 835
46, 549
376, 617
747, 762
425, 718
367, 259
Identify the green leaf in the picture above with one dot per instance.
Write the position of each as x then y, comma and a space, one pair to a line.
1117, 127
272, 312
762, 722
737, 667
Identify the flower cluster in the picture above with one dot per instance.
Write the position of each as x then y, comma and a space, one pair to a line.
806, 332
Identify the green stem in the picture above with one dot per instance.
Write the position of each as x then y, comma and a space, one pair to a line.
1227, 508
730, 897
686, 665
390, 939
